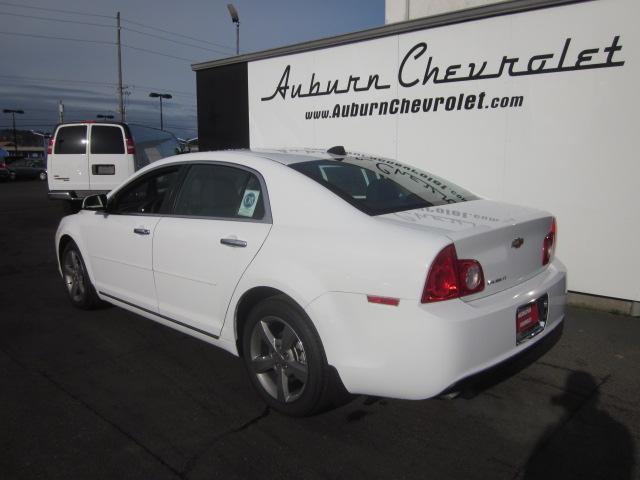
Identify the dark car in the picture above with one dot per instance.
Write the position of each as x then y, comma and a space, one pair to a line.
28, 168
5, 174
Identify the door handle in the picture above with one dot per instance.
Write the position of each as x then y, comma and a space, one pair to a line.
233, 242
142, 231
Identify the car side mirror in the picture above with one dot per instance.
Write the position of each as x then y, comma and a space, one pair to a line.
96, 203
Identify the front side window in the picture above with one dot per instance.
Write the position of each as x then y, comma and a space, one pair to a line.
146, 195
107, 140
221, 191
378, 186
71, 140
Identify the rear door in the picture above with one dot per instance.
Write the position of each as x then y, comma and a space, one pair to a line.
109, 163
220, 220
69, 165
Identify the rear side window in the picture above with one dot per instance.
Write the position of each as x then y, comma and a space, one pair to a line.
71, 140
106, 140
222, 192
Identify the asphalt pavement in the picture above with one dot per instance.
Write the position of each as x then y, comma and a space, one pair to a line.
108, 394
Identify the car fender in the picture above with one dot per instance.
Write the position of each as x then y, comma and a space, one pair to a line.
306, 263
69, 227
302, 291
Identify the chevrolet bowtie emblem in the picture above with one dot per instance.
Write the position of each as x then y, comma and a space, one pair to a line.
517, 243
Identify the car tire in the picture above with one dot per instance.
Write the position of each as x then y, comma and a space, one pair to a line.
285, 359
42, 176
79, 288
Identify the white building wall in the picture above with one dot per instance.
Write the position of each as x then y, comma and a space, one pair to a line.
570, 146
400, 10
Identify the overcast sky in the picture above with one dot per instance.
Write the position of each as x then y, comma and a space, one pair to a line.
37, 70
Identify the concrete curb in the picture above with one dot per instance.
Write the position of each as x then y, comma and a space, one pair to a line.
606, 304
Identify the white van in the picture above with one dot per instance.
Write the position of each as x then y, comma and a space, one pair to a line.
87, 158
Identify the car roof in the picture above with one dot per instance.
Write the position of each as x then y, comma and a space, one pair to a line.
281, 156
291, 156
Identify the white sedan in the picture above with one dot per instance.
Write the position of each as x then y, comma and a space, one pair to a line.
324, 271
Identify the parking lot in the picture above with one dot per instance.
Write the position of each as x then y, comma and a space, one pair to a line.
107, 394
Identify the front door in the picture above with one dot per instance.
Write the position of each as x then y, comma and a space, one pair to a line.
218, 225
121, 241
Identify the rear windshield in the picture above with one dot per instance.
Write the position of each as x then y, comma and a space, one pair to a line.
106, 140
71, 140
377, 185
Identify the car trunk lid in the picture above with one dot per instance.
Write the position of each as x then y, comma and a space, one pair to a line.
506, 239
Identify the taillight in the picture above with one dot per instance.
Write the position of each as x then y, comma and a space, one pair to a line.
549, 243
131, 148
471, 277
50, 146
452, 278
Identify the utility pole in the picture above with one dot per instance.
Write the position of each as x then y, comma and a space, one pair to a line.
120, 95
60, 112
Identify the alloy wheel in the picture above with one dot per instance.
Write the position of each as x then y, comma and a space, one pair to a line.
74, 276
278, 359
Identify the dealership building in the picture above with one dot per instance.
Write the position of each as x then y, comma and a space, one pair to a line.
531, 102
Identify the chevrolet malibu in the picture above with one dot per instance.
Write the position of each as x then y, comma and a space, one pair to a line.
324, 271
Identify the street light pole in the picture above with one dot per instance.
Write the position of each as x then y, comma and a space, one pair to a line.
235, 19
15, 135
160, 96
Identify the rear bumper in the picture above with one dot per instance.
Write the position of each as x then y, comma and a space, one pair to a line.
417, 351
509, 367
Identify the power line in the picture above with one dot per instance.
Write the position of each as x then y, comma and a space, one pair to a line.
174, 41
177, 34
57, 10
29, 125
48, 37
88, 82
79, 22
190, 60
75, 12
100, 42
57, 80
91, 24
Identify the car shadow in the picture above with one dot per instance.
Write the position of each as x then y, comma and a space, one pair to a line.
586, 443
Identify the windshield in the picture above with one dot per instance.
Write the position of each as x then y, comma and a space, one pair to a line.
378, 185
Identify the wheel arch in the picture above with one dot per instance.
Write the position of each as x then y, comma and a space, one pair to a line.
70, 235
248, 300
62, 244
